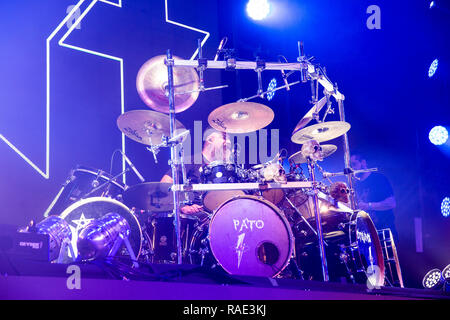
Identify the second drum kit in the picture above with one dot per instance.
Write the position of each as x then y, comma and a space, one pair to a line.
259, 221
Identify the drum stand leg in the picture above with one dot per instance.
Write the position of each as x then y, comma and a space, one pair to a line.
124, 239
323, 258
296, 271
64, 246
173, 155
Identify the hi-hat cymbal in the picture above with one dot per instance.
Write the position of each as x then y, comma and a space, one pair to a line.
152, 85
327, 150
146, 126
320, 132
149, 196
309, 115
240, 117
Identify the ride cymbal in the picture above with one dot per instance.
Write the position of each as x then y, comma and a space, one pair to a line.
146, 126
320, 132
152, 85
240, 117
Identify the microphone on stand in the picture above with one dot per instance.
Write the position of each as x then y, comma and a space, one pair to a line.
221, 45
132, 167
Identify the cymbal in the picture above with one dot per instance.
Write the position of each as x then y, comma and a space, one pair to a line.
309, 115
320, 132
146, 126
240, 117
149, 196
152, 85
327, 150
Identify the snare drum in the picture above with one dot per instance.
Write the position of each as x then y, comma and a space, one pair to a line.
80, 184
247, 235
219, 172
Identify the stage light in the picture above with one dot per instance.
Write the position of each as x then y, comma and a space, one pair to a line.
445, 207
258, 9
433, 68
58, 231
446, 273
433, 279
99, 237
270, 88
438, 135
432, 4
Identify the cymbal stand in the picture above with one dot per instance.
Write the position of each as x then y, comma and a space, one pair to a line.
105, 183
311, 167
260, 66
347, 155
329, 109
173, 155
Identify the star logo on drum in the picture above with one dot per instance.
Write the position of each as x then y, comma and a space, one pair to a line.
81, 222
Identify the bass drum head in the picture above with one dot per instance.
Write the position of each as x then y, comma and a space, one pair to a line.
250, 236
369, 247
213, 199
80, 213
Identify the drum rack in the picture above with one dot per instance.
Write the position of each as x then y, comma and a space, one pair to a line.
307, 69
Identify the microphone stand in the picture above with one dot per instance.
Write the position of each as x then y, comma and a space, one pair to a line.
105, 183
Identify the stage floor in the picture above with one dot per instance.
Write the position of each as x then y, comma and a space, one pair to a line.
25, 280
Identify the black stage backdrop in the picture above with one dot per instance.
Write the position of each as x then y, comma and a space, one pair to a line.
70, 83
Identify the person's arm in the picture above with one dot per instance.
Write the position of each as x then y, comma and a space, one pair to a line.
192, 209
387, 204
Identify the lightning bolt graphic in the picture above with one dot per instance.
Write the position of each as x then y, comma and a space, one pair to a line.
240, 248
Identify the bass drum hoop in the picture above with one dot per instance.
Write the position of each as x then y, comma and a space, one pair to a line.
277, 211
100, 174
376, 240
131, 218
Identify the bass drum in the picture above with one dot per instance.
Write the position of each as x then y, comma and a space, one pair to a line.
247, 235
353, 249
79, 214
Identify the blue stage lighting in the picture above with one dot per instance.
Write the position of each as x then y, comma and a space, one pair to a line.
258, 9
432, 4
270, 88
445, 207
433, 68
438, 135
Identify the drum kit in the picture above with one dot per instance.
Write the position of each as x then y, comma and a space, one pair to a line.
260, 221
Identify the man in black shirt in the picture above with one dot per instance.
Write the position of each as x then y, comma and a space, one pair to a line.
375, 196
217, 147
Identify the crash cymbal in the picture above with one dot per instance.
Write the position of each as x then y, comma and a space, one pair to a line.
327, 150
309, 115
240, 117
320, 132
152, 85
149, 196
146, 126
